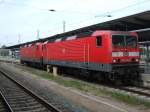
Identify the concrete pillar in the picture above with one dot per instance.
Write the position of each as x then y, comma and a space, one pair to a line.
55, 71
48, 68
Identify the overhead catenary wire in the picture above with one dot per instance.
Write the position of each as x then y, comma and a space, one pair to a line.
43, 9
71, 12
106, 14
126, 7
109, 14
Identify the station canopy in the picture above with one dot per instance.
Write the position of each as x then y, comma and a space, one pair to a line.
138, 22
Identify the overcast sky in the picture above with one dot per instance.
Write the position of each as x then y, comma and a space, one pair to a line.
20, 19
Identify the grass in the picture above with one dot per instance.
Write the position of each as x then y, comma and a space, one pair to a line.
91, 88
132, 100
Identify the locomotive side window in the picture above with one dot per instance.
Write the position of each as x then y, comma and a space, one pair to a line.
99, 41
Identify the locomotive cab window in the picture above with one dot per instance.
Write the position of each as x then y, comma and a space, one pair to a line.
124, 41
99, 41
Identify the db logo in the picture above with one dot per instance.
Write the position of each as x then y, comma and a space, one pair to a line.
125, 54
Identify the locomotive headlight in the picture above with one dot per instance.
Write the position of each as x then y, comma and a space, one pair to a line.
136, 60
114, 61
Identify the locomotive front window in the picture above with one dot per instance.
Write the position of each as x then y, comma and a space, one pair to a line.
118, 41
131, 41
124, 40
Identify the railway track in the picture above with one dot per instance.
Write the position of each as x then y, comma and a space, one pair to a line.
14, 97
143, 91
4, 107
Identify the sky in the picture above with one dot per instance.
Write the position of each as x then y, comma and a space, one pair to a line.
26, 20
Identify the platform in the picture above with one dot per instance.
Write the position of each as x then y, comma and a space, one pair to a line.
9, 59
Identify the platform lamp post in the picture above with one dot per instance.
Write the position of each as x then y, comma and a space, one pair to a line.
63, 22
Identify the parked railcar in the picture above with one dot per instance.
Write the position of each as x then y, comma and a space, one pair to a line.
32, 54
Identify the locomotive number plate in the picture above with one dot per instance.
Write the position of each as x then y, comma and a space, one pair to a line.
125, 54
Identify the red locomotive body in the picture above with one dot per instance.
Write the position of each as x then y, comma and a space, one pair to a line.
100, 51
114, 52
32, 53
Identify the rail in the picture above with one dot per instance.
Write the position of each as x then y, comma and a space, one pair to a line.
43, 103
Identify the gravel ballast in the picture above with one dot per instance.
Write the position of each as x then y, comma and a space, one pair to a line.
54, 92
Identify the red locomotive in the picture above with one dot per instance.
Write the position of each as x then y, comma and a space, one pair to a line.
32, 53
114, 52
